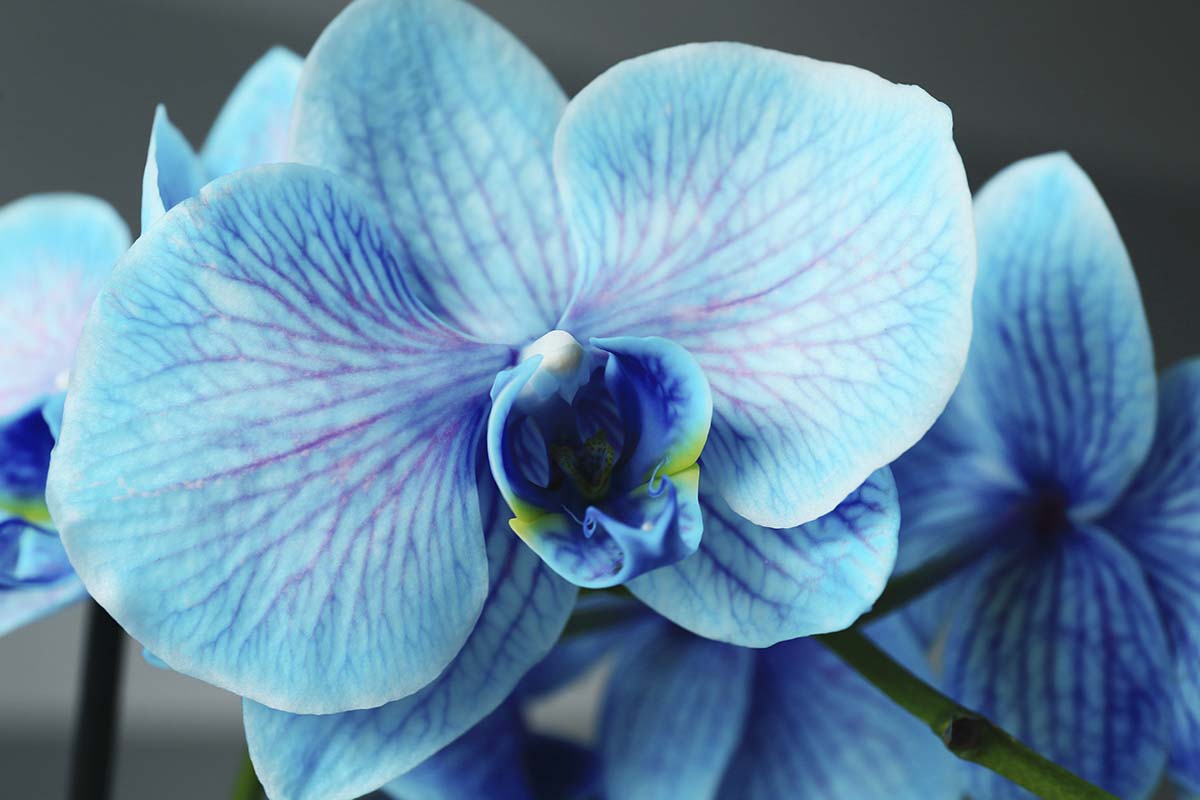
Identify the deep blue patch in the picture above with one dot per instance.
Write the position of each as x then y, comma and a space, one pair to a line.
25, 444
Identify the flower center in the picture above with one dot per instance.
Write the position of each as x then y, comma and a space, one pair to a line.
589, 466
1049, 513
594, 448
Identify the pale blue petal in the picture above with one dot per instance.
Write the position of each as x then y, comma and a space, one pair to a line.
56, 250
1061, 353
499, 759
816, 730
673, 714
610, 620
957, 500
446, 121
803, 229
21, 606
954, 486
173, 171
1159, 520
52, 411
29, 554
266, 471
346, 755
35, 578
757, 586
252, 127
485, 762
1060, 643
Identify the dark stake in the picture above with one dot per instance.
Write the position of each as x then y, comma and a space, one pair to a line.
96, 716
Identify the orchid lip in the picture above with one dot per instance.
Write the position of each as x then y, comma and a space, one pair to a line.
595, 447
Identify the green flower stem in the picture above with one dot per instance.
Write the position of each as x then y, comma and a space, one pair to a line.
968, 735
246, 786
597, 619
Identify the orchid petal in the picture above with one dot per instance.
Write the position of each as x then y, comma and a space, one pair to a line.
346, 755
55, 252
817, 729
1061, 353
499, 759
803, 229
575, 654
173, 171
950, 485
673, 715
446, 121
30, 554
1159, 520
1060, 643
52, 411
266, 471
756, 586
252, 127
486, 761
35, 577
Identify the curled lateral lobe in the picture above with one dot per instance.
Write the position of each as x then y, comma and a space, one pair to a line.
266, 466
755, 586
347, 755
1061, 358
803, 229
446, 121
1060, 643
1159, 520
55, 252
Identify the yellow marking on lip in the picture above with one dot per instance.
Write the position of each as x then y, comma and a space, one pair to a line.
34, 511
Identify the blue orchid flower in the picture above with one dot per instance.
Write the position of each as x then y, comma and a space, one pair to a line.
688, 717
717, 291
1076, 629
55, 252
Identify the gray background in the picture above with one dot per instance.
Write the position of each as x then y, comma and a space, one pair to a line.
1116, 84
